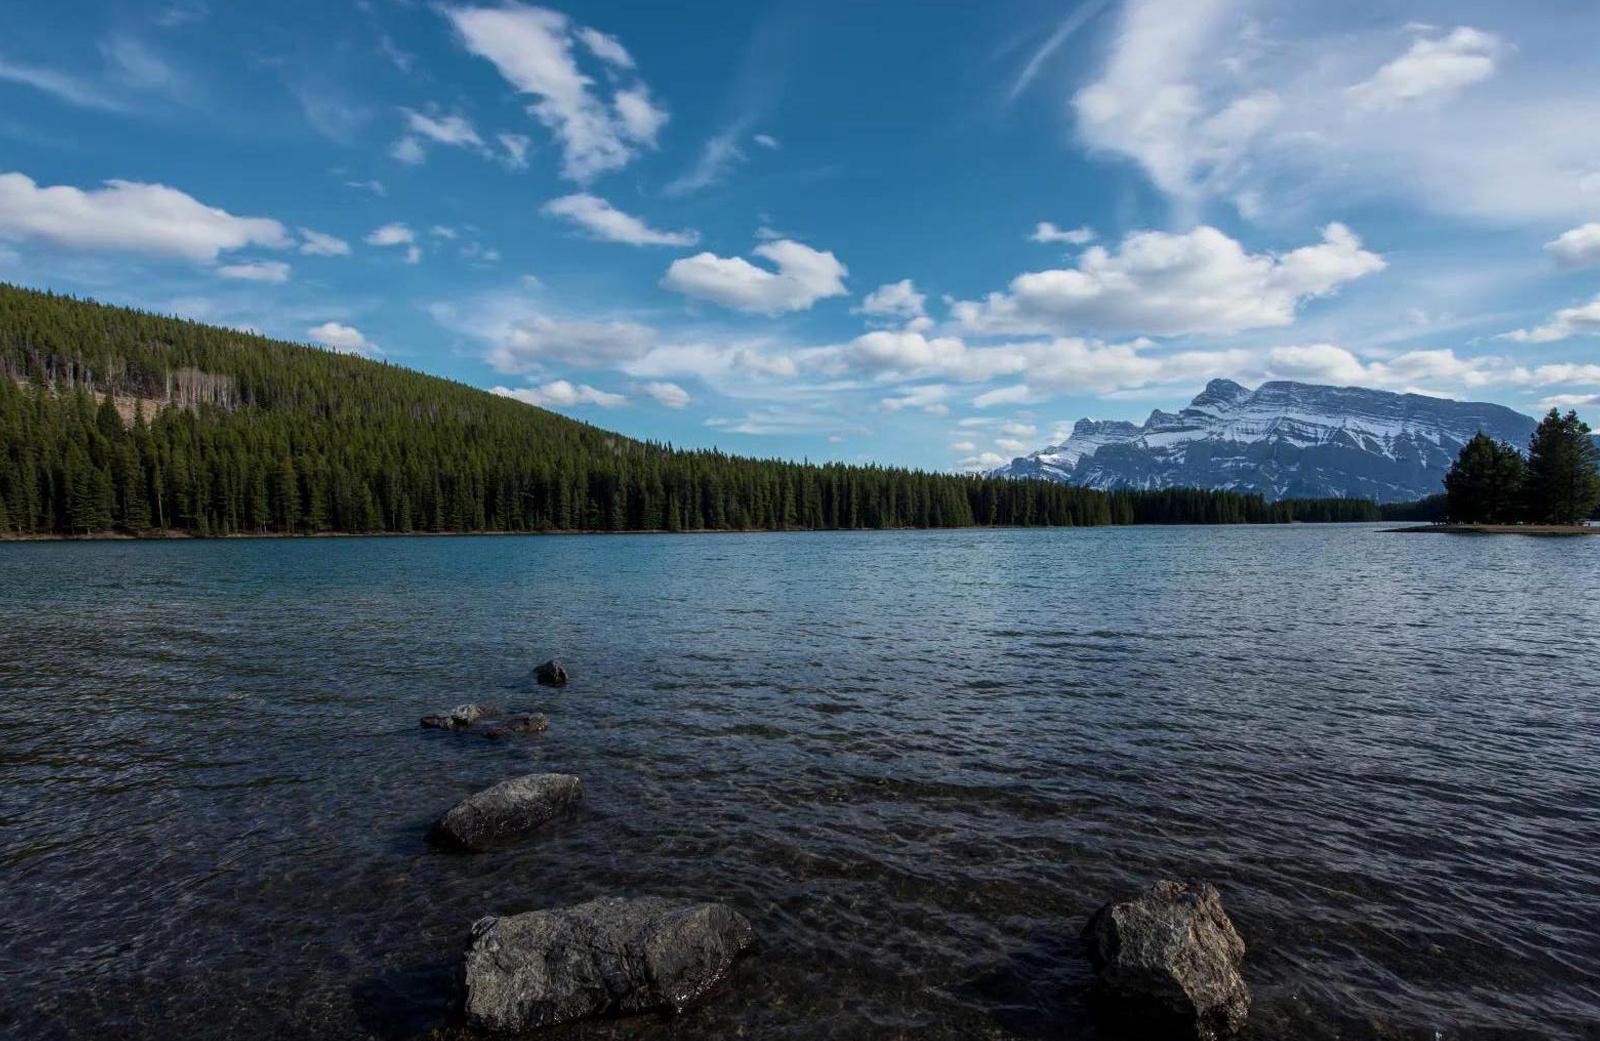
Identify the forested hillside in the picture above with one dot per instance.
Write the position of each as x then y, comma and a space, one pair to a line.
113, 419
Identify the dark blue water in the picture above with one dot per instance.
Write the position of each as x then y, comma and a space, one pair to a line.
917, 761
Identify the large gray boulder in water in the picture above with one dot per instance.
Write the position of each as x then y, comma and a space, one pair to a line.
607, 957
507, 811
1169, 959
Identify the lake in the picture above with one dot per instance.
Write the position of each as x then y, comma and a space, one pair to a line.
917, 761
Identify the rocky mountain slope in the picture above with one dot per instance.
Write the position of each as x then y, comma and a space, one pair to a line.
1283, 439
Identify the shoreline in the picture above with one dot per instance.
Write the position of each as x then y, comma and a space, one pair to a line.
173, 535
1546, 530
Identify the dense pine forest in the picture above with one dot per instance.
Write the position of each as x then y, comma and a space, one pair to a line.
116, 420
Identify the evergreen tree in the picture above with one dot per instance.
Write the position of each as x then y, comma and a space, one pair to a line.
1485, 483
1563, 478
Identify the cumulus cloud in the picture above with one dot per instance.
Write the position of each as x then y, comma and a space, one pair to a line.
528, 343
561, 394
256, 271
1165, 284
604, 221
669, 394
1432, 68
131, 216
802, 277
317, 244
1047, 232
397, 234
1577, 248
899, 301
346, 339
532, 47
1583, 320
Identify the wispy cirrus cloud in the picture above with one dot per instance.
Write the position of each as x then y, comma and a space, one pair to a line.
533, 50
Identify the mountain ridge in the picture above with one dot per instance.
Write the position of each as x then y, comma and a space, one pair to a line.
1284, 439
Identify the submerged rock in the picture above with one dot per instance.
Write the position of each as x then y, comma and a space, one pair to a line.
552, 674
521, 723
460, 717
1169, 959
507, 811
488, 721
607, 957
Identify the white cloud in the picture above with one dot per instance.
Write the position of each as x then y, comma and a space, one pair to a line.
316, 244
719, 155
408, 150
256, 271
453, 130
561, 393
134, 63
1430, 69
1579, 247
803, 276
66, 88
929, 397
1047, 232
1212, 107
605, 221
982, 461
346, 339
1017, 394
897, 300
532, 47
767, 141
1583, 320
642, 119
528, 343
128, 215
397, 234
516, 149
963, 446
1015, 429
606, 47
391, 235
669, 394
1164, 284
1010, 444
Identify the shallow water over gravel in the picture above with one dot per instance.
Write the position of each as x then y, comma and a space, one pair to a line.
917, 761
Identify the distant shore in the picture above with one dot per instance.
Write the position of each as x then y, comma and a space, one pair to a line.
1498, 529
171, 534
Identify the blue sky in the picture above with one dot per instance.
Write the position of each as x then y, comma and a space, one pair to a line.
930, 234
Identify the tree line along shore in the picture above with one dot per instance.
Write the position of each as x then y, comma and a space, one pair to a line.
117, 421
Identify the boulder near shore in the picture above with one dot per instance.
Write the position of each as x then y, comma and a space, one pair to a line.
507, 811
1168, 959
608, 957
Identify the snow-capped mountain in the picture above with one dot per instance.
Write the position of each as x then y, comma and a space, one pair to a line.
1283, 439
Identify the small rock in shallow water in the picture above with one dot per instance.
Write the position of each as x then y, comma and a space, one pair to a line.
507, 811
1169, 959
607, 957
552, 674
522, 723
460, 717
